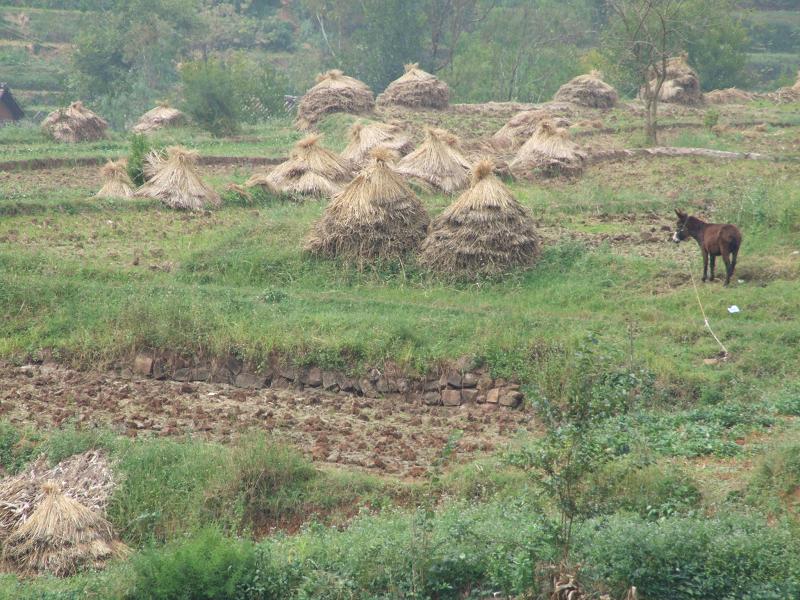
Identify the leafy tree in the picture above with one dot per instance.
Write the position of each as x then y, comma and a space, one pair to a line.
522, 51
221, 94
643, 35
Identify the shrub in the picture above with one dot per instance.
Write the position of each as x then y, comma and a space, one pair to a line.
261, 481
209, 96
140, 147
16, 448
652, 491
208, 566
776, 479
219, 95
684, 558
711, 118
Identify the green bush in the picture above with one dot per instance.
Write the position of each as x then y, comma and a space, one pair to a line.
260, 482
207, 566
652, 491
734, 557
776, 479
16, 447
221, 94
140, 147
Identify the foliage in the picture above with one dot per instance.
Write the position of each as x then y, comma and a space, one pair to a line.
683, 558
523, 52
221, 94
208, 566
139, 149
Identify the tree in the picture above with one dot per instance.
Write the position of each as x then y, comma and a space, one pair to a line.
522, 50
644, 34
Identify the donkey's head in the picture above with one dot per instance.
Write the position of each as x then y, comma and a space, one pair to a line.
680, 231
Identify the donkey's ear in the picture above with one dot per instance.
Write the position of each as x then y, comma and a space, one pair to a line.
681, 215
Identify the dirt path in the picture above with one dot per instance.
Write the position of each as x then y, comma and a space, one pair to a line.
389, 435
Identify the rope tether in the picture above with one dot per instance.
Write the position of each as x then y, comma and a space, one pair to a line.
702, 310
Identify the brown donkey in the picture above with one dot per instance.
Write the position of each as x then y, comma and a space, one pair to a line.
714, 240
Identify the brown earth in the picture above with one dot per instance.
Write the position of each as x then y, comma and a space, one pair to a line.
394, 435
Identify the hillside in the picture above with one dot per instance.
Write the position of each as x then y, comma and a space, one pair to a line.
35, 45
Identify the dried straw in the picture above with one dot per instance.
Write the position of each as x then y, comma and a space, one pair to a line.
588, 90
550, 152
61, 537
522, 126
729, 96
117, 182
311, 170
485, 231
174, 180
438, 161
376, 216
85, 477
158, 118
334, 92
364, 137
76, 123
682, 85
416, 89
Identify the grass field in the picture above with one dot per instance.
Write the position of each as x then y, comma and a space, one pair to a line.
698, 453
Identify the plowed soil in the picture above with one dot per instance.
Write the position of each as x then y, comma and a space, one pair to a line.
396, 435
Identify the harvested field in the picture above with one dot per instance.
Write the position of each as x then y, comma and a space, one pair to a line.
396, 435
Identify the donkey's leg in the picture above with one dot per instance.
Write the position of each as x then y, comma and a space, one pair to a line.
713, 264
705, 265
734, 254
728, 270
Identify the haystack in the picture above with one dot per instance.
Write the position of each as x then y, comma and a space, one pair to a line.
522, 126
550, 152
364, 137
175, 181
61, 537
588, 90
117, 183
311, 170
159, 118
438, 161
376, 216
682, 85
334, 92
76, 123
416, 89
729, 96
485, 231
85, 477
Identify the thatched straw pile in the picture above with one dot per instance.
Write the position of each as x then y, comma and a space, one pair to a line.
550, 152
85, 477
376, 216
365, 137
311, 171
682, 85
334, 92
76, 123
588, 90
61, 537
174, 180
522, 126
416, 89
729, 96
438, 161
786, 95
158, 118
117, 183
485, 231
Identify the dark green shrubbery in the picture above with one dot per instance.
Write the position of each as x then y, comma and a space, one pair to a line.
220, 94
733, 557
140, 147
208, 566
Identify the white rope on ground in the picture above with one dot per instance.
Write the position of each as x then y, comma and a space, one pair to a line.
702, 310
